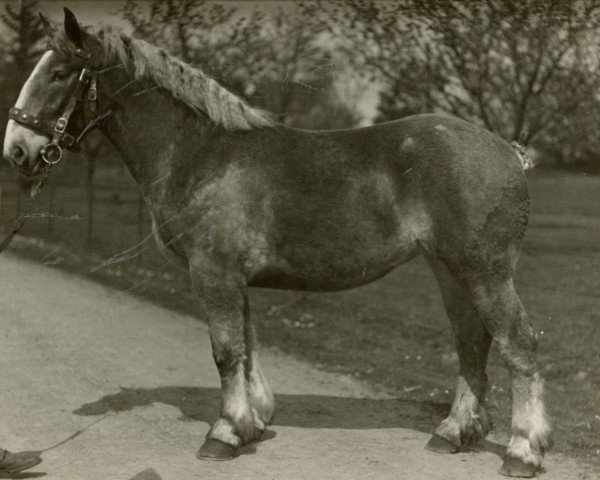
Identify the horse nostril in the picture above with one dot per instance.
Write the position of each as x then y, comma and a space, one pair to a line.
18, 155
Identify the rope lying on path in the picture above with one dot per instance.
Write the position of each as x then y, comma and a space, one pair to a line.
76, 434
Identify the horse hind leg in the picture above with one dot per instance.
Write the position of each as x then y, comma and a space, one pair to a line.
489, 286
468, 421
498, 304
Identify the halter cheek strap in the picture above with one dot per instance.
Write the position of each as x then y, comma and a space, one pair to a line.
52, 153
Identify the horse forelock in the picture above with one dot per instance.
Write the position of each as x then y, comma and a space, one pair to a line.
188, 84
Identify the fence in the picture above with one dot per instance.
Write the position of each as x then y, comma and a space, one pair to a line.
97, 220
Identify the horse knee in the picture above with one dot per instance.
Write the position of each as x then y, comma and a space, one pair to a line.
227, 351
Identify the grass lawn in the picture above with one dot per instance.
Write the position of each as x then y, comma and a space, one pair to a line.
392, 333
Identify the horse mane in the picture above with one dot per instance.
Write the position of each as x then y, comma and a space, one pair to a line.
186, 83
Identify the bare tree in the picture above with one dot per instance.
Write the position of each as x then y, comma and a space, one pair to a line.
517, 67
276, 58
379, 40
22, 43
515, 60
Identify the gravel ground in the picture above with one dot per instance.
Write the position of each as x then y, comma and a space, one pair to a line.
138, 383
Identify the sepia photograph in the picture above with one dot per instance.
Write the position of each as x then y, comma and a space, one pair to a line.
287, 239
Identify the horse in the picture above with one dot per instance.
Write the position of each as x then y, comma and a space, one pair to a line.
240, 200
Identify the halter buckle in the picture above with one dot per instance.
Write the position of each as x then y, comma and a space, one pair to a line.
61, 125
51, 153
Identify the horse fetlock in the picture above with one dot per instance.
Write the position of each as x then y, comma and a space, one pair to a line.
224, 431
241, 431
521, 448
265, 412
530, 446
261, 398
465, 429
263, 409
247, 425
530, 420
522, 459
474, 426
540, 433
540, 436
251, 432
259, 424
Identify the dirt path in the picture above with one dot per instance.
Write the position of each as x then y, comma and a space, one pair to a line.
141, 379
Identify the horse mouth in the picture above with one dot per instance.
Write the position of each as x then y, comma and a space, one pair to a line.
31, 171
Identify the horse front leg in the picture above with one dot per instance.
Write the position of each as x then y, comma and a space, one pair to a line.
223, 297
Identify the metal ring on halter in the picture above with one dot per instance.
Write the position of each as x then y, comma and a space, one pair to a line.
50, 149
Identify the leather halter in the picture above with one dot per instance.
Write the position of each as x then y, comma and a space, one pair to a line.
56, 129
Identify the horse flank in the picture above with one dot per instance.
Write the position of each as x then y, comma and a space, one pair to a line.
190, 85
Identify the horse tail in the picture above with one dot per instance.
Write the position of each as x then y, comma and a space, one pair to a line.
526, 161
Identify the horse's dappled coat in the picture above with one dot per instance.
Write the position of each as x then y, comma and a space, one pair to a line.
240, 200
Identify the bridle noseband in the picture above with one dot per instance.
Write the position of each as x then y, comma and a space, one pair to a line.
56, 129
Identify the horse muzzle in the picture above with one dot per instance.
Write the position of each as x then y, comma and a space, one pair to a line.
23, 162
22, 148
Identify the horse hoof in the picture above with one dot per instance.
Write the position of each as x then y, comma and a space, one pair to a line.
515, 467
216, 450
440, 445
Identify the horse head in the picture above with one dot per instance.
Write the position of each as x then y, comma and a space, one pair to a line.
49, 113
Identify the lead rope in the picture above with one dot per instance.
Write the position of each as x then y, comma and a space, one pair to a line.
20, 221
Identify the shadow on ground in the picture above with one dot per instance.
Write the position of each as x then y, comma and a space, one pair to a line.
303, 411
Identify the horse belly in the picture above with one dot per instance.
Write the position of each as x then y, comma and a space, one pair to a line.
361, 251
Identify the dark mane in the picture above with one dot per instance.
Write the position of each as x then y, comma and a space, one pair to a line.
186, 83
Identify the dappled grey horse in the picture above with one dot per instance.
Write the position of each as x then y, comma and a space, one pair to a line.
240, 200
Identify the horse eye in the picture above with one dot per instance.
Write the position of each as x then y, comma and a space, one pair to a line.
58, 75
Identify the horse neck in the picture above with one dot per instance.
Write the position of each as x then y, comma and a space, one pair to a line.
149, 128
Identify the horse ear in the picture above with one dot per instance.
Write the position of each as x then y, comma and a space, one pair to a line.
72, 28
46, 25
